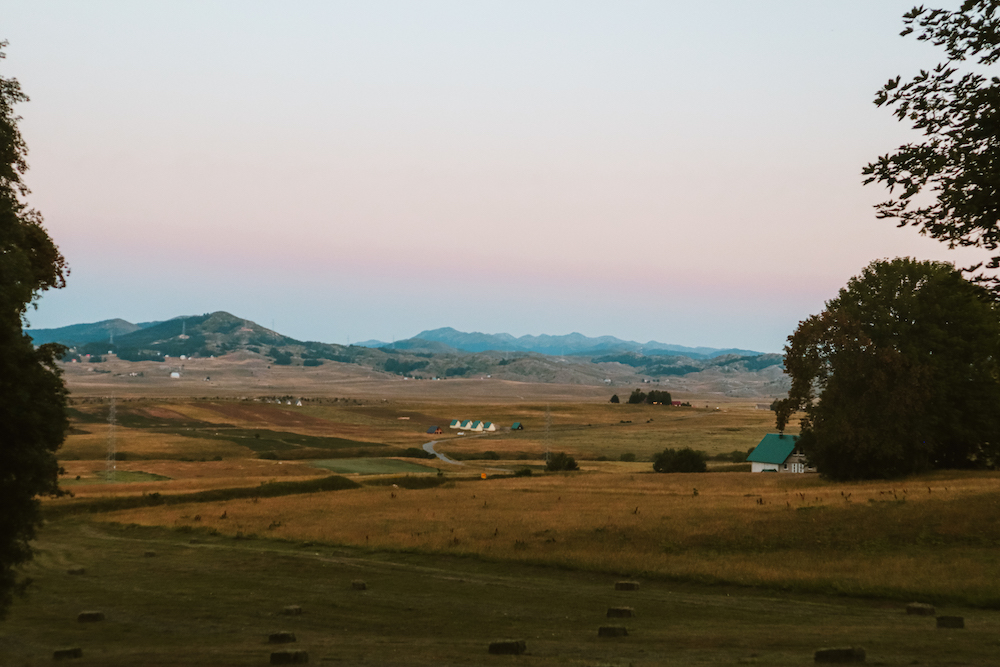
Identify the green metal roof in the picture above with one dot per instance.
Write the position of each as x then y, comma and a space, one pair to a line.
515, 425
773, 448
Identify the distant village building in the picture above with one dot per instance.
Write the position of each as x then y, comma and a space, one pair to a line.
489, 426
778, 453
476, 426
455, 423
175, 375
434, 430
516, 426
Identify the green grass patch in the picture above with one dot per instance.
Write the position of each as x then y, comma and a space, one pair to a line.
368, 466
116, 476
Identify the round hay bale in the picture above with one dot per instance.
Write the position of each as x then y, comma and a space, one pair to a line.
508, 647
149, 554
67, 653
920, 609
90, 616
283, 637
626, 585
620, 612
612, 631
843, 654
76, 570
293, 610
359, 585
290, 657
956, 622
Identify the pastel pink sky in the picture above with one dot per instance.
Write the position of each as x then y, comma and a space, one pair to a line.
684, 172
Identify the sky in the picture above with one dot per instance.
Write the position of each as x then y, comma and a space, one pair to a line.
686, 172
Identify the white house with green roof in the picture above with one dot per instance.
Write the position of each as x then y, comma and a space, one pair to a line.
778, 452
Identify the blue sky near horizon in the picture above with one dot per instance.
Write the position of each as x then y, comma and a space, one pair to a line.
680, 172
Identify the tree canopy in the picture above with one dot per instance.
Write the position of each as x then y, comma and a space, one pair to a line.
948, 185
32, 396
899, 374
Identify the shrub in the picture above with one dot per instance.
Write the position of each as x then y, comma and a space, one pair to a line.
679, 460
627, 457
615, 399
561, 461
523, 472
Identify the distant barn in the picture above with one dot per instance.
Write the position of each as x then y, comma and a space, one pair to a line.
516, 426
434, 430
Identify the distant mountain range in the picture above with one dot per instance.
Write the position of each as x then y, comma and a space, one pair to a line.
569, 344
438, 354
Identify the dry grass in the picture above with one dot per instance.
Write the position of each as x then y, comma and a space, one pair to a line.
805, 534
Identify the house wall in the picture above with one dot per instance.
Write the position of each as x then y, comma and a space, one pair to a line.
756, 466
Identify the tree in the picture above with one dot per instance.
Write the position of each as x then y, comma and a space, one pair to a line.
679, 460
899, 374
637, 396
948, 186
614, 398
32, 396
561, 461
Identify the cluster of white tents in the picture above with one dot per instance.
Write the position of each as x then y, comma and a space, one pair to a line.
469, 425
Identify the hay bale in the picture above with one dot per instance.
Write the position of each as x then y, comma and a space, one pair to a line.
847, 654
283, 637
291, 657
149, 554
920, 609
957, 622
508, 647
90, 616
76, 570
626, 585
359, 585
67, 653
612, 631
293, 610
620, 612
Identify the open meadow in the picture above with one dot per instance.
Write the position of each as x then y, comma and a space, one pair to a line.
221, 512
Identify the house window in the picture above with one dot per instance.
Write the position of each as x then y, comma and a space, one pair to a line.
786, 466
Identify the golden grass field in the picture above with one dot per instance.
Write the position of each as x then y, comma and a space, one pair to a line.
844, 556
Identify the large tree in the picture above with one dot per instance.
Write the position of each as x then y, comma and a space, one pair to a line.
899, 374
32, 394
948, 185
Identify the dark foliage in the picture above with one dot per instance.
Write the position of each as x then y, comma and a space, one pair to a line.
615, 399
403, 367
900, 374
947, 185
561, 461
33, 419
679, 460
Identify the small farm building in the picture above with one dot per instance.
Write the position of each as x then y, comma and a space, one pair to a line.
489, 426
516, 426
467, 424
476, 426
434, 430
455, 423
778, 453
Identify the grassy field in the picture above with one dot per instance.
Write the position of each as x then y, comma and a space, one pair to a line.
734, 568
198, 599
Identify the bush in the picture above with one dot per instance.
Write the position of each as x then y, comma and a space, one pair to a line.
312, 362
679, 460
561, 461
615, 399
628, 457
523, 472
